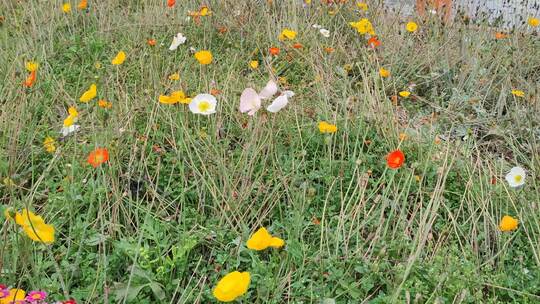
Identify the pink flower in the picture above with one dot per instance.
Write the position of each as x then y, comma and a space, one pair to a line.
35, 296
4, 292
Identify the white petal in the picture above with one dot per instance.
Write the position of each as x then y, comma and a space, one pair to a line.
249, 101
194, 104
288, 93
269, 90
325, 32
68, 130
317, 26
279, 103
177, 40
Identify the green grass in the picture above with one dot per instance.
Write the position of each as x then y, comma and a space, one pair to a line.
171, 212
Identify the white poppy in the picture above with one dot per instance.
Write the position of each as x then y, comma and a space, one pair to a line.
177, 40
280, 102
250, 101
317, 26
68, 130
324, 32
204, 104
516, 177
269, 90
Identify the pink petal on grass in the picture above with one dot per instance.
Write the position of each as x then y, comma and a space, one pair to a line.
269, 90
249, 101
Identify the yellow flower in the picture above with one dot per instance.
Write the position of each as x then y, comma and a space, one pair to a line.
15, 296
508, 223
534, 22
32, 66
204, 57
362, 5
254, 64
49, 144
66, 7
69, 121
204, 11
119, 59
174, 76
261, 240
384, 73
404, 94
518, 93
411, 26
232, 286
287, 34
175, 97
104, 104
73, 112
34, 226
363, 26
325, 127
89, 94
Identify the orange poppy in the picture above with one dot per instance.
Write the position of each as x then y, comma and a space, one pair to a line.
98, 157
373, 42
171, 3
297, 45
329, 50
222, 29
274, 51
30, 80
83, 4
501, 35
215, 92
151, 42
395, 159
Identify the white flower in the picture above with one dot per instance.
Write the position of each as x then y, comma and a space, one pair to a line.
280, 102
250, 101
317, 26
204, 104
269, 90
177, 40
324, 32
68, 130
516, 177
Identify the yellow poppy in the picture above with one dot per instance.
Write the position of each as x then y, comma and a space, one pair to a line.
14, 296
518, 93
232, 286
287, 34
49, 144
261, 240
363, 26
119, 59
325, 127
35, 227
175, 97
411, 26
404, 94
174, 76
32, 66
384, 73
254, 64
204, 57
508, 223
362, 5
66, 7
89, 94
534, 22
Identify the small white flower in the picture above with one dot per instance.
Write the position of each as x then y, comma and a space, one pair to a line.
516, 177
204, 104
324, 32
177, 40
68, 130
280, 102
317, 26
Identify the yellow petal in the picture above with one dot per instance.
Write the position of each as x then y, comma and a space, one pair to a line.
277, 242
40, 232
164, 99
232, 286
260, 240
66, 7
32, 66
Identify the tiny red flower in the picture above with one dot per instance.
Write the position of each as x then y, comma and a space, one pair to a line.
274, 51
171, 3
297, 45
98, 157
373, 42
70, 301
395, 159
151, 42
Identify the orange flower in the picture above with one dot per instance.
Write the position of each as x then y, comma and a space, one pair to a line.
501, 35
171, 3
329, 50
104, 104
297, 45
31, 79
98, 157
222, 29
395, 159
151, 42
373, 42
83, 4
274, 51
215, 92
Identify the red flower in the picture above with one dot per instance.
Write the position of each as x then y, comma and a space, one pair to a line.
98, 157
395, 159
373, 42
274, 51
151, 42
30, 80
70, 301
297, 46
171, 3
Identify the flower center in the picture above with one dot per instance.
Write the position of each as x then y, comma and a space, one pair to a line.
518, 178
204, 106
